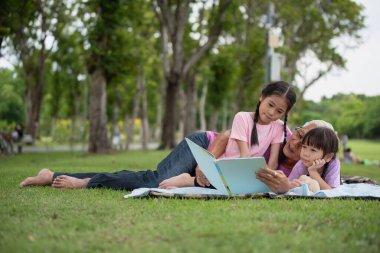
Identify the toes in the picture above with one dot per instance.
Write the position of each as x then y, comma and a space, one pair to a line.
163, 183
57, 183
64, 178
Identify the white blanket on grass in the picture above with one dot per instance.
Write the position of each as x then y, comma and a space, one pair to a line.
345, 190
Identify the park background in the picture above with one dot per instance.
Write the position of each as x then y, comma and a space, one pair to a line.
80, 73
98, 73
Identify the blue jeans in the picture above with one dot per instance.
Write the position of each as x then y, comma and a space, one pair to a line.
180, 160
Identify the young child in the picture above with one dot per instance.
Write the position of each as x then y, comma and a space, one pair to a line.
253, 132
319, 148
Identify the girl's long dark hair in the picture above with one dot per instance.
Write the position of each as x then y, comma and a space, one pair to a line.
281, 89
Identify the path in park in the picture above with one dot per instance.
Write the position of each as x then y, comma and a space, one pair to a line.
34, 149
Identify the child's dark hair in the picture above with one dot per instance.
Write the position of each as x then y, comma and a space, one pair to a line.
322, 138
281, 89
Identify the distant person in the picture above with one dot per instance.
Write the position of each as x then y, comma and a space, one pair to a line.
17, 136
116, 141
344, 141
350, 158
6, 145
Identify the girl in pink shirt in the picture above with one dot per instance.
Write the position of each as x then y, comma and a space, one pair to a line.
253, 132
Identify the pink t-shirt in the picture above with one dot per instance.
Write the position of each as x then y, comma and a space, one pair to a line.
211, 136
241, 130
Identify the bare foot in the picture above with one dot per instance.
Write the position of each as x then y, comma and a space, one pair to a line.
182, 180
44, 177
67, 182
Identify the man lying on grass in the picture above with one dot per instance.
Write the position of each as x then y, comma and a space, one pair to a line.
180, 161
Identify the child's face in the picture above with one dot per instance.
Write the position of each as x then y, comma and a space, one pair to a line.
271, 109
309, 154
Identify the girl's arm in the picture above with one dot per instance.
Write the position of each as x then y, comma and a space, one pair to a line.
274, 153
315, 172
243, 148
218, 146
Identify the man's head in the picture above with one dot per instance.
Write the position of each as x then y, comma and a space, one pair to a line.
292, 149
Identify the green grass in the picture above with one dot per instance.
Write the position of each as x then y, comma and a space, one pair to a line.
41, 219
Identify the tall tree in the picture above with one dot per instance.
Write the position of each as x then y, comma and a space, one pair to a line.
31, 23
174, 17
101, 67
224, 71
67, 81
313, 27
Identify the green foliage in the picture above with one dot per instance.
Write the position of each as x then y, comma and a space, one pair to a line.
371, 117
125, 36
224, 70
354, 115
252, 55
313, 25
11, 102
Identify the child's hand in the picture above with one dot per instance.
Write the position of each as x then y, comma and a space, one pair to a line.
317, 166
295, 183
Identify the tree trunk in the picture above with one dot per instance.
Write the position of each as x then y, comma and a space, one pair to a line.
225, 116
127, 127
181, 112
34, 72
98, 115
144, 114
173, 19
162, 84
161, 98
53, 127
239, 97
202, 108
34, 89
115, 117
191, 96
169, 122
135, 112
213, 121
115, 126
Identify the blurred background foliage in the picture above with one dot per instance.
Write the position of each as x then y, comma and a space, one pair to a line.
63, 52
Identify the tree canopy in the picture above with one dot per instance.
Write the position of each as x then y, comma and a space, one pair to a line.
166, 66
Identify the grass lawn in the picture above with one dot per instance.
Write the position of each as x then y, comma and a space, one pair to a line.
42, 219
